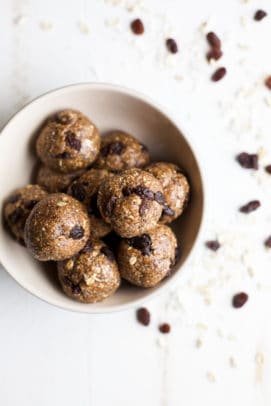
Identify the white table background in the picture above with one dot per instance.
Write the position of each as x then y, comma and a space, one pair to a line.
215, 354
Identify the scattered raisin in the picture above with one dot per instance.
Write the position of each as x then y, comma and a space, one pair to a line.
267, 242
13, 198
259, 15
137, 26
268, 169
113, 148
215, 54
72, 141
250, 206
239, 299
78, 191
172, 45
164, 328
213, 40
142, 243
108, 253
110, 206
267, 82
218, 74
16, 215
212, 245
143, 316
77, 232
248, 161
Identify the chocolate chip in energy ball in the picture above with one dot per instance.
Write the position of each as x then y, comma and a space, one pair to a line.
213, 245
239, 299
142, 243
259, 15
110, 206
167, 211
113, 148
143, 316
137, 26
16, 215
218, 74
164, 328
248, 161
76, 290
13, 198
77, 232
108, 253
250, 206
64, 155
72, 141
172, 45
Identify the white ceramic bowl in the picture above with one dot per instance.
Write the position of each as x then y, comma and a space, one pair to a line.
110, 107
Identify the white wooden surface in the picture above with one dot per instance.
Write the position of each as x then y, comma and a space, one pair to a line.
215, 354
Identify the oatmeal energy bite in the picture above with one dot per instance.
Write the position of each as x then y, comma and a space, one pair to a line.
18, 206
131, 202
91, 275
68, 141
55, 181
57, 228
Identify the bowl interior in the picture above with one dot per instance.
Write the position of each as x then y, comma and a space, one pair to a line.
110, 108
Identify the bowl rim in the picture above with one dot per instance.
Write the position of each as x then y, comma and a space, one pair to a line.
197, 155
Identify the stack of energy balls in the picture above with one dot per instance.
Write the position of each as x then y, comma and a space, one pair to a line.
72, 207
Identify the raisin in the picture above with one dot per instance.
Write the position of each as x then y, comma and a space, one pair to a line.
259, 15
77, 232
267, 242
16, 215
137, 26
72, 141
239, 299
140, 191
110, 205
172, 45
76, 290
13, 198
164, 328
250, 206
214, 54
108, 253
142, 243
143, 316
248, 161
268, 169
213, 40
219, 74
63, 155
78, 191
213, 245
167, 211
30, 204
267, 82
113, 148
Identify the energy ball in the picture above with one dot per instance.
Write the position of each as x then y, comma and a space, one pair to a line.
85, 190
120, 151
68, 141
57, 228
90, 276
55, 181
18, 206
132, 202
175, 189
148, 258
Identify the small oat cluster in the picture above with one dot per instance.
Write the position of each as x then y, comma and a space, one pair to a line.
99, 208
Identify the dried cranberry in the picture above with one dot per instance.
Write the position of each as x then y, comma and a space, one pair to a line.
268, 82
214, 54
259, 15
30, 204
110, 205
172, 45
239, 299
213, 40
78, 191
164, 328
108, 253
212, 245
250, 206
77, 232
13, 198
137, 26
113, 148
268, 169
167, 211
16, 215
218, 74
142, 243
143, 316
72, 141
267, 242
248, 161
